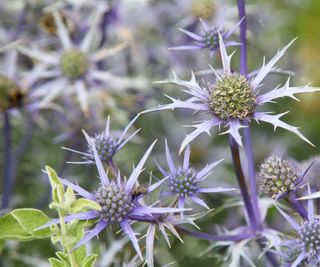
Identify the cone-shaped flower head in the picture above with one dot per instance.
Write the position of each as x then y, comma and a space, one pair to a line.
74, 64
307, 244
309, 236
209, 38
185, 181
277, 176
118, 202
106, 144
233, 100
204, 9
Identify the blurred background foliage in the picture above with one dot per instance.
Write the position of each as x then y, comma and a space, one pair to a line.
271, 24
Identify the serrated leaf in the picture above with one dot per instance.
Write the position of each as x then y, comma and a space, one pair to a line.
56, 263
83, 204
89, 261
31, 219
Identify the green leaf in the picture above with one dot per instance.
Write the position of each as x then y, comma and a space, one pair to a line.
63, 257
31, 219
89, 261
56, 263
80, 254
20, 224
83, 204
53, 177
11, 229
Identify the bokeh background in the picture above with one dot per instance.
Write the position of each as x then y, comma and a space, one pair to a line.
150, 27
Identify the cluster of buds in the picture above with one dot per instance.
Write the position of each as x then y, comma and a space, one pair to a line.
277, 177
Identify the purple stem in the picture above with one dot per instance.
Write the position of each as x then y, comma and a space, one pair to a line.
242, 184
247, 136
239, 237
8, 160
298, 205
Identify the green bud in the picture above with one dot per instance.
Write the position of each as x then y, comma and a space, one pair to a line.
74, 64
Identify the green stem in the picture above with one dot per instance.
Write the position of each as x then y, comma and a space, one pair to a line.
63, 228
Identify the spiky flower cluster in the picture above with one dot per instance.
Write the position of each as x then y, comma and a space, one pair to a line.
74, 64
211, 39
277, 176
232, 98
10, 94
203, 9
114, 201
309, 236
184, 181
105, 146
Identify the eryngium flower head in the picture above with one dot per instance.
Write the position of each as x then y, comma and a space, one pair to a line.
233, 101
277, 176
208, 39
73, 67
232, 98
307, 244
204, 9
106, 144
11, 95
185, 181
115, 203
309, 236
118, 205
74, 64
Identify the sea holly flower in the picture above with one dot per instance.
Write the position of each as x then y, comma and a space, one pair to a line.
15, 88
307, 243
233, 100
209, 38
119, 207
74, 68
279, 177
185, 181
106, 144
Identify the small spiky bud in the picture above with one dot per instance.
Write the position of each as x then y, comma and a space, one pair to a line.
309, 236
277, 176
184, 181
115, 203
105, 146
232, 98
204, 9
74, 64
211, 39
10, 94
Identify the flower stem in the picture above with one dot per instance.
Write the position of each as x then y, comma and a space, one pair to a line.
239, 237
8, 160
242, 184
297, 205
247, 136
63, 228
